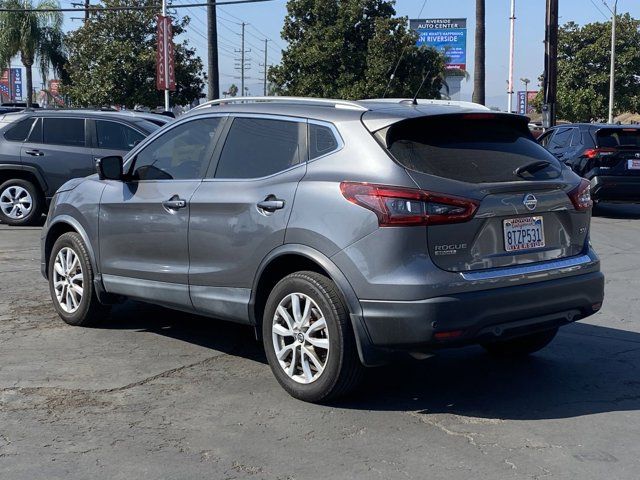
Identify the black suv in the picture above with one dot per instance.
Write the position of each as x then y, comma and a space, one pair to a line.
40, 150
606, 155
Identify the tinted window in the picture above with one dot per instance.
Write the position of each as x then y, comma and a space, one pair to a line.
19, 132
182, 153
116, 136
561, 139
469, 150
618, 137
63, 131
257, 147
321, 140
544, 138
36, 132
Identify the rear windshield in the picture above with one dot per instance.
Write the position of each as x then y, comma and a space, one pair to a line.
618, 137
471, 150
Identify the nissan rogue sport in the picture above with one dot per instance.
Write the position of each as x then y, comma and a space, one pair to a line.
346, 233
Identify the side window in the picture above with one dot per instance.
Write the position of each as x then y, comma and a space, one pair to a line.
561, 139
321, 141
116, 136
63, 131
576, 137
181, 153
19, 131
36, 132
258, 147
545, 137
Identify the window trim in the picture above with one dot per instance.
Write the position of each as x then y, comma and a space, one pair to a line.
213, 166
94, 132
132, 155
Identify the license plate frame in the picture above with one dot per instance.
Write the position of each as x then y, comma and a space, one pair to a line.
633, 164
527, 233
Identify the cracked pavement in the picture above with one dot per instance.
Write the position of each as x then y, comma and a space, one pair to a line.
158, 394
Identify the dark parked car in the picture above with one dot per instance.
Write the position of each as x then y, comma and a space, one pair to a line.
42, 149
607, 155
345, 232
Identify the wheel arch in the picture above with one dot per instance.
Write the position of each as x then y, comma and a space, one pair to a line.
291, 258
59, 226
23, 172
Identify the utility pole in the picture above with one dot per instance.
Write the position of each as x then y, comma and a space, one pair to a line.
242, 67
512, 40
166, 62
612, 74
550, 64
264, 86
86, 10
213, 74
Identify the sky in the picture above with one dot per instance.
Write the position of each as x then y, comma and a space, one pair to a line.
265, 20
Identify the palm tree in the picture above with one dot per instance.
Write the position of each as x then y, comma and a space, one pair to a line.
34, 36
478, 68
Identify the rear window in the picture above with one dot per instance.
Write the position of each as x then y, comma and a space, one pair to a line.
618, 137
19, 131
470, 150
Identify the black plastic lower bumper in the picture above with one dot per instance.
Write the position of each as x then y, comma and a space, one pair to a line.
614, 188
482, 315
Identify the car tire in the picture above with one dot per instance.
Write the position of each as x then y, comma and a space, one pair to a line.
71, 282
21, 202
521, 346
311, 349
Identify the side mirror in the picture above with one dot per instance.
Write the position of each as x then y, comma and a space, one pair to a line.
110, 168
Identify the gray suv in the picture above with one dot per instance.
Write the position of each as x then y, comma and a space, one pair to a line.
42, 149
345, 233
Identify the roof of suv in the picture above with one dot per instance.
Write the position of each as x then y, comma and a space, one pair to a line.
135, 117
375, 113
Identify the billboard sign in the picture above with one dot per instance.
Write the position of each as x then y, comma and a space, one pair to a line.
447, 35
16, 80
525, 102
165, 62
11, 84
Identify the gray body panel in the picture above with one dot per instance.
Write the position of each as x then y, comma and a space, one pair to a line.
210, 256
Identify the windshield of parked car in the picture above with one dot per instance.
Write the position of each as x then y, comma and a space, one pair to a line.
470, 148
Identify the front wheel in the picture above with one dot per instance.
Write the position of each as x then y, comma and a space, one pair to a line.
521, 346
308, 338
71, 282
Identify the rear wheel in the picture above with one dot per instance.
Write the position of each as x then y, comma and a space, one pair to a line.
308, 338
71, 282
21, 202
521, 346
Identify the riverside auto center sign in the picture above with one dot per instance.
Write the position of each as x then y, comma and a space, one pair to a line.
447, 35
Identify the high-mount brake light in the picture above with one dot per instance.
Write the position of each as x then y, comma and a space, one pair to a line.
400, 206
581, 196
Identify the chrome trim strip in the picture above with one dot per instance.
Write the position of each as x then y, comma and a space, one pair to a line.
568, 263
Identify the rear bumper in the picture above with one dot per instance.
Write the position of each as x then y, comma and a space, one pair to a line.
482, 315
614, 188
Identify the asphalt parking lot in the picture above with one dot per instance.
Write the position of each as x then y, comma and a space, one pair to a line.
159, 394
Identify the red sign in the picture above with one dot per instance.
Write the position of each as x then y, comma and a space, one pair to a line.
165, 63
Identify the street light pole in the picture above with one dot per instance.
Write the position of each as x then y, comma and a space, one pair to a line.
526, 82
512, 30
613, 60
166, 61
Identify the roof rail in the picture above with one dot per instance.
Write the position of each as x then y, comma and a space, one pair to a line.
345, 104
427, 101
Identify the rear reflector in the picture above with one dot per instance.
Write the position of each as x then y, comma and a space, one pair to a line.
450, 335
400, 206
581, 195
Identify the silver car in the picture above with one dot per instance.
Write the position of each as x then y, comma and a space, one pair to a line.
345, 233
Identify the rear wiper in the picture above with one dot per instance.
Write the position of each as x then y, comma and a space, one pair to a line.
532, 167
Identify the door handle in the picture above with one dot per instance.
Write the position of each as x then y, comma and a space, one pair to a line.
271, 204
174, 203
34, 153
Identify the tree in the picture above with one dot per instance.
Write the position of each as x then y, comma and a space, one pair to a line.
112, 60
34, 36
479, 56
353, 49
233, 90
584, 54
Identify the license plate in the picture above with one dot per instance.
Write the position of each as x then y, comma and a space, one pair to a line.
633, 164
524, 233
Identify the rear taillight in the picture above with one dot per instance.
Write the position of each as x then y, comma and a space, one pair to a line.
599, 152
398, 206
581, 195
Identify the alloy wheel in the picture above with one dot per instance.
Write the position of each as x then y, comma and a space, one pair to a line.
16, 202
300, 338
67, 280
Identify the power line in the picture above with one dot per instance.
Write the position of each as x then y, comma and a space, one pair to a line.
137, 7
598, 8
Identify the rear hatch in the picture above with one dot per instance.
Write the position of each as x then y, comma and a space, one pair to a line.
524, 211
617, 151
